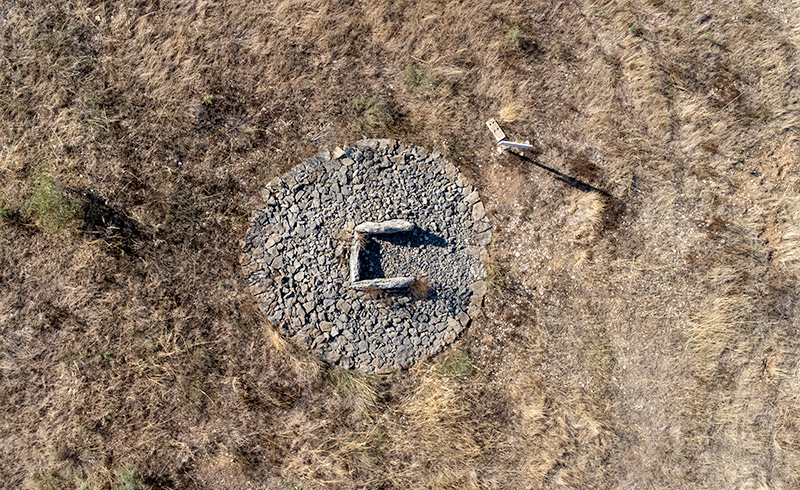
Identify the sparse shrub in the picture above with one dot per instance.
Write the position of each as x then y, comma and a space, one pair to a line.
3, 209
513, 37
208, 99
636, 30
363, 240
50, 203
560, 52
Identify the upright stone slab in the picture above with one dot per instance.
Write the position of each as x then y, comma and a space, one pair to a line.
384, 227
383, 283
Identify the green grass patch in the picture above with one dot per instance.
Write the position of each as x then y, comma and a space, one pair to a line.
130, 479
372, 114
513, 37
600, 358
291, 484
52, 206
349, 382
419, 81
455, 366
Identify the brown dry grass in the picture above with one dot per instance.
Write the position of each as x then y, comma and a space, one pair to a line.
647, 339
421, 288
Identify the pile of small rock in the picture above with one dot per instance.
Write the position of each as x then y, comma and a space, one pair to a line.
298, 254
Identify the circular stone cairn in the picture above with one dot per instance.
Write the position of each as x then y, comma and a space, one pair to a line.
298, 254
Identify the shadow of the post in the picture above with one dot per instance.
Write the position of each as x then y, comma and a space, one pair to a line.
566, 179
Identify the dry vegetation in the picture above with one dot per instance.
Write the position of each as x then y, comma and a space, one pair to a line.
641, 325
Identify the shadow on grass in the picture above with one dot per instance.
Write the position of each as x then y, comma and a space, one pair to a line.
566, 179
112, 226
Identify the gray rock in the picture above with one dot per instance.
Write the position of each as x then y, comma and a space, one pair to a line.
453, 324
343, 306
478, 211
355, 250
383, 283
384, 227
463, 319
478, 288
481, 226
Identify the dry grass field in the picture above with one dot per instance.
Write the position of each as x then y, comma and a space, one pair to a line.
641, 328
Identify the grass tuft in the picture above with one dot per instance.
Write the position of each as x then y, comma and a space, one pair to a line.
421, 288
455, 365
435, 426
585, 216
418, 81
345, 381
53, 206
373, 114
48, 480
352, 384
513, 37
511, 112
130, 479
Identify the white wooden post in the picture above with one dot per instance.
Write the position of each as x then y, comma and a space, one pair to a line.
500, 136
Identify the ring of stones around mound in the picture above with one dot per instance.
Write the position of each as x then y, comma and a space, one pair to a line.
296, 254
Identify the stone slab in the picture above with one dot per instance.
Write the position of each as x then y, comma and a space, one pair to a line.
355, 251
384, 227
383, 283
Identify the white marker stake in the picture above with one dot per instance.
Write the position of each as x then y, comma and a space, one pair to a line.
511, 144
498, 133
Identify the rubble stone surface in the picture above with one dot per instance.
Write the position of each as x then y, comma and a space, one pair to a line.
297, 254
